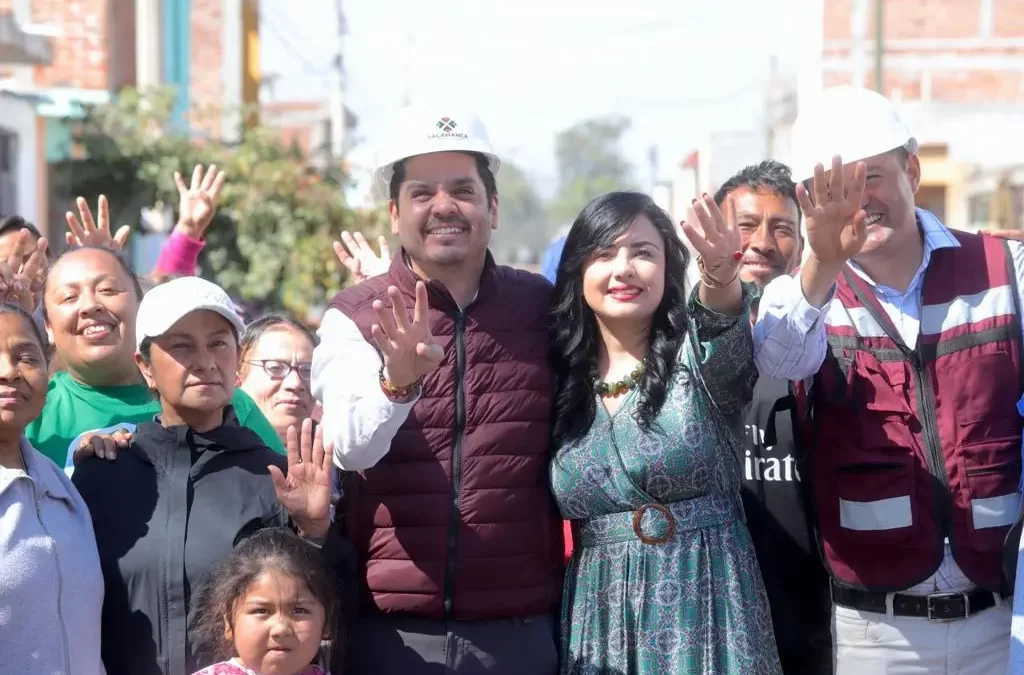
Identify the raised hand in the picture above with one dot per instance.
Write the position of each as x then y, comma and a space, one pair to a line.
306, 491
719, 240
88, 232
834, 219
405, 342
198, 202
357, 255
23, 273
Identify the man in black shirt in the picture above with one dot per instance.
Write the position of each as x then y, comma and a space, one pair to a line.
774, 498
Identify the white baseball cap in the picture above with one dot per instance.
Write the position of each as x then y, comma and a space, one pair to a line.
424, 130
851, 122
166, 304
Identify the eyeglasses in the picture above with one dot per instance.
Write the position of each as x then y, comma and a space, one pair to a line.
279, 370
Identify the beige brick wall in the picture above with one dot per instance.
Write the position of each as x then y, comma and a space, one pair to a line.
937, 49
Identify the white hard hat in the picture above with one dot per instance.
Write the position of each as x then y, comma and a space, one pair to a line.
851, 122
421, 131
166, 304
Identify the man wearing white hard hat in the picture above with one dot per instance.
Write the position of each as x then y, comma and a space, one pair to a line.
437, 396
905, 340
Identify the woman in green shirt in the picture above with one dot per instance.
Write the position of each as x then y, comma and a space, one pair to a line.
90, 301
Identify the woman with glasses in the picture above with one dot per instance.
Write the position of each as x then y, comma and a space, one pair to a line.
275, 359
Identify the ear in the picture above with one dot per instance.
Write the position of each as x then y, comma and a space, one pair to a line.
49, 331
229, 635
914, 172
393, 212
146, 369
494, 212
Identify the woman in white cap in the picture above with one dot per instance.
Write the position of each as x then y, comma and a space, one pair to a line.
90, 301
193, 483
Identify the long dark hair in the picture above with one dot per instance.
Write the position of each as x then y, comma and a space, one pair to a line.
268, 550
575, 340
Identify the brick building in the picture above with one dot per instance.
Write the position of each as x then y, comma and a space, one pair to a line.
942, 51
955, 69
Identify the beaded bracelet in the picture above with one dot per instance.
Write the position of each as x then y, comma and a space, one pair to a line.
711, 282
398, 394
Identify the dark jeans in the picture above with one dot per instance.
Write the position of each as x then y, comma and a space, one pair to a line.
382, 645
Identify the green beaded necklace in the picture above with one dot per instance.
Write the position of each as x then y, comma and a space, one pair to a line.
620, 387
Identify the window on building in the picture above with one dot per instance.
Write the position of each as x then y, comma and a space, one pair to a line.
978, 209
8, 173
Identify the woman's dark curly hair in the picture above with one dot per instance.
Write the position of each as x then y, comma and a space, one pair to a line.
267, 550
575, 340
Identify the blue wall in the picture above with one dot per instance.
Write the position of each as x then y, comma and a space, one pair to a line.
176, 54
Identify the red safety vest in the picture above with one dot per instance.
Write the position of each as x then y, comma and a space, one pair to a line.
914, 445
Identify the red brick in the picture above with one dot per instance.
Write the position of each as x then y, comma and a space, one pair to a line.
928, 19
206, 64
81, 52
837, 19
978, 87
1008, 18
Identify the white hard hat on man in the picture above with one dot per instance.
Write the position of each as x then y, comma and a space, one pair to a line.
851, 122
423, 130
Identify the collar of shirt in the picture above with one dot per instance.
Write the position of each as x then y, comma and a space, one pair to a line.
935, 235
39, 470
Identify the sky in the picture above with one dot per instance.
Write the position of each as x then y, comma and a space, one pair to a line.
677, 68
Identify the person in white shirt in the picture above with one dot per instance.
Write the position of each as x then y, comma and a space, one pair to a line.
905, 339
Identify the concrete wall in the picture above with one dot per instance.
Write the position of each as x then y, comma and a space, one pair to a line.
18, 116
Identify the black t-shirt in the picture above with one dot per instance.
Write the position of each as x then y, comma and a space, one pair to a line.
775, 501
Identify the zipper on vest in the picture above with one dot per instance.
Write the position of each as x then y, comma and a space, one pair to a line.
460, 427
930, 431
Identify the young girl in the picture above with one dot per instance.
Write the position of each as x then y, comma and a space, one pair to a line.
267, 607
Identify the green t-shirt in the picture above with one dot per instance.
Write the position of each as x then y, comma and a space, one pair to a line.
73, 409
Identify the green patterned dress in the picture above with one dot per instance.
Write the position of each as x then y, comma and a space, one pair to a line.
693, 603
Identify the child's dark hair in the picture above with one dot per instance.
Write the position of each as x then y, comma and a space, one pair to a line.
268, 550
37, 332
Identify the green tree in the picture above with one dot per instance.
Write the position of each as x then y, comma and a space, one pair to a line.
523, 219
589, 163
270, 243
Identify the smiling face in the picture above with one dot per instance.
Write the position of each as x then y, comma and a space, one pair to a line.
23, 374
892, 181
626, 281
443, 216
769, 225
276, 627
192, 366
91, 304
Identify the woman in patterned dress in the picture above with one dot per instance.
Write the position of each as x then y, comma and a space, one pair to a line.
651, 387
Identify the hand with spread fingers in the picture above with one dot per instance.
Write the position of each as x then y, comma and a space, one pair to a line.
834, 220
23, 273
358, 256
88, 232
718, 244
198, 202
305, 492
409, 350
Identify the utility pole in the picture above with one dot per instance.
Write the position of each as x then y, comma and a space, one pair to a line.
879, 46
338, 90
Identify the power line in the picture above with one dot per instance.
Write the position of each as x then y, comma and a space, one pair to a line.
274, 24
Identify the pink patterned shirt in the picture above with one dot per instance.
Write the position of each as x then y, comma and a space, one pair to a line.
233, 667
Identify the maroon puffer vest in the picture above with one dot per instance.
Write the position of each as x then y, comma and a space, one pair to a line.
457, 520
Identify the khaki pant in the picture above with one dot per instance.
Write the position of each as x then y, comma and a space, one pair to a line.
875, 644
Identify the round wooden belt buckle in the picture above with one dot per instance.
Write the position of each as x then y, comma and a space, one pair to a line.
638, 517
